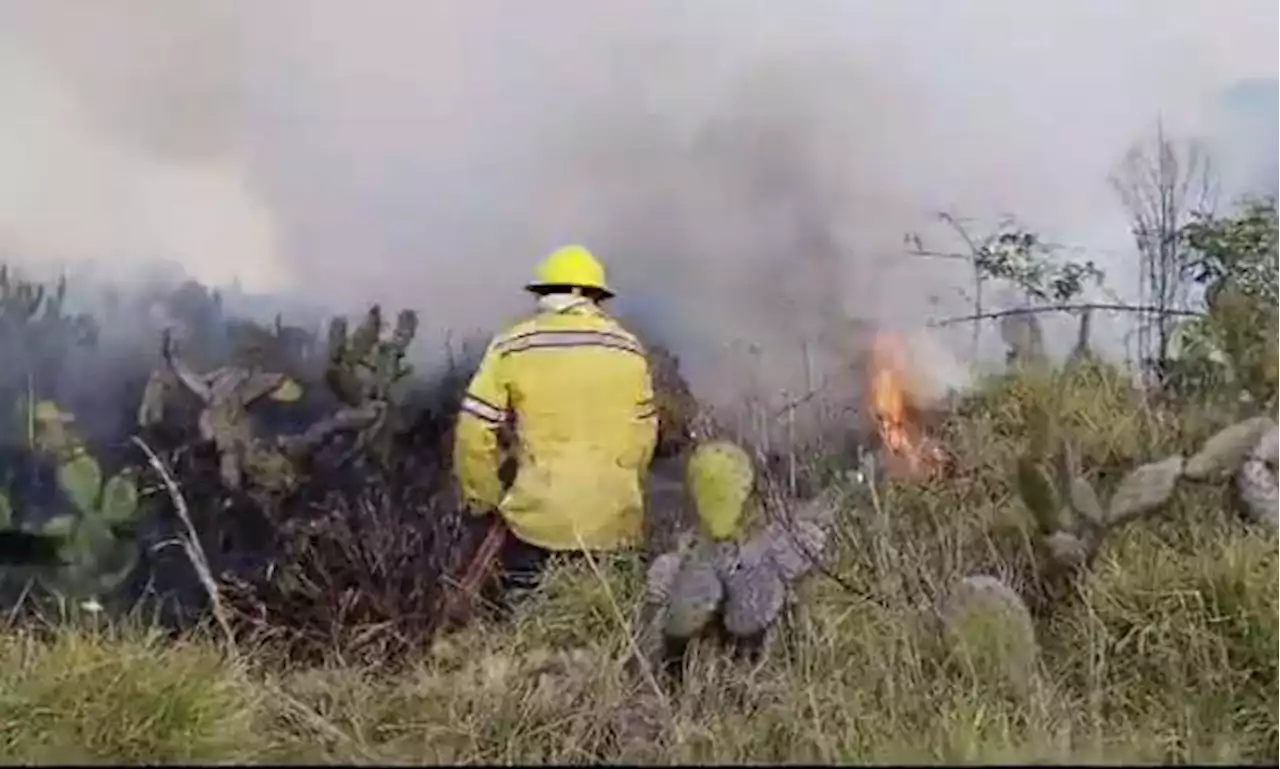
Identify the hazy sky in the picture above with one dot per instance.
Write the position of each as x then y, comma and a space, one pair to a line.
745, 167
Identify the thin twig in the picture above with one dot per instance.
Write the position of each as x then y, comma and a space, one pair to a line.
310, 717
928, 254
195, 552
628, 630
979, 274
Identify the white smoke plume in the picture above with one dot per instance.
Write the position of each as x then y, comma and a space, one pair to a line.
747, 169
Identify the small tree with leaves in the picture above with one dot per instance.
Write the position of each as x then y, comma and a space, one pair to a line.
1014, 255
1232, 348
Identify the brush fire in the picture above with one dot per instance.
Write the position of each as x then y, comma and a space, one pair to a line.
906, 448
314, 469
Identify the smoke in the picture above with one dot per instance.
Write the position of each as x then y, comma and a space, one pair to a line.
747, 169
122, 144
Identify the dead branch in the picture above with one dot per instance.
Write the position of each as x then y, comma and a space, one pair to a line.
1162, 184
978, 277
191, 543
1063, 308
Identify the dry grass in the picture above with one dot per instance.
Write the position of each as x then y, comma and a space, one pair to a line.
1169, 655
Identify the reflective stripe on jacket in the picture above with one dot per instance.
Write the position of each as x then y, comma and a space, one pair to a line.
576, 387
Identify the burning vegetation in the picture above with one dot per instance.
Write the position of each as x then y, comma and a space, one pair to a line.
907, 450
309, 476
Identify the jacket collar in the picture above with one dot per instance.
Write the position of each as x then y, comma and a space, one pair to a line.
567, 303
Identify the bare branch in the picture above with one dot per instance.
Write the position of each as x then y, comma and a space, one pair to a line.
191, 543
1061, 308
940, 255
1163, 185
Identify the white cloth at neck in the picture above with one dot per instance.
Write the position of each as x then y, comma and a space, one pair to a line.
562, 302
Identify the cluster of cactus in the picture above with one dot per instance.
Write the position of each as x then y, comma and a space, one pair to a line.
1071, 518
718, 579
1073, 522
40, 313
988, 629
1244, 453
93, 542
38, 335
364, 371
363, 365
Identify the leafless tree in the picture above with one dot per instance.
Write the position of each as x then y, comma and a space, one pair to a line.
1163, 184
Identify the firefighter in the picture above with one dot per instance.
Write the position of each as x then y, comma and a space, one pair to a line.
574, 388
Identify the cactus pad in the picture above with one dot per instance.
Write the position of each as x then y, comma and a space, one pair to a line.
720, 476
990, 629
795, 547
1267, 450
46, 427
661, 578
1223, 454
754, 595
61, 526
696, 594
1145, 489
1038, 494
289, 391
1084, 501
119, 500
1257, 491
80, 479
1066, 549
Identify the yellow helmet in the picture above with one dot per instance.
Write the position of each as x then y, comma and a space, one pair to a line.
571, 266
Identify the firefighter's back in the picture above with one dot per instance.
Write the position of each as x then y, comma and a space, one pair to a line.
579, 391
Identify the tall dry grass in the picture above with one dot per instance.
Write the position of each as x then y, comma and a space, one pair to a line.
1168, 654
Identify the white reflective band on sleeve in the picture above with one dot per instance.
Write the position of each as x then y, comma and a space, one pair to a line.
481, 410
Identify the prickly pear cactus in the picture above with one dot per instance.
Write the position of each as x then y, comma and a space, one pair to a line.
697, 591
1246, 453
1144, 490
711, 577
1226, 450
1073, 521
719, 476
756, 592
45, 428
227, 393
47, 333
94, 547
97, 551
362, 365
365, 372
990, 632
1072, 518
1255, 481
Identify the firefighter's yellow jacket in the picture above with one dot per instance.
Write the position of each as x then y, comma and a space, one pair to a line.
577, 389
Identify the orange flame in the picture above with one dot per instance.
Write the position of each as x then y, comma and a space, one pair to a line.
907, 451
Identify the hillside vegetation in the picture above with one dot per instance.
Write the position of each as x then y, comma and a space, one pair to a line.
1167, 654
237, 555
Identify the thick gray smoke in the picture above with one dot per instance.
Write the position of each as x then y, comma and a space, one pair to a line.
748, 169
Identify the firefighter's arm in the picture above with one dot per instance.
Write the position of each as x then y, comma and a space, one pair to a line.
646, 418
476, 456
